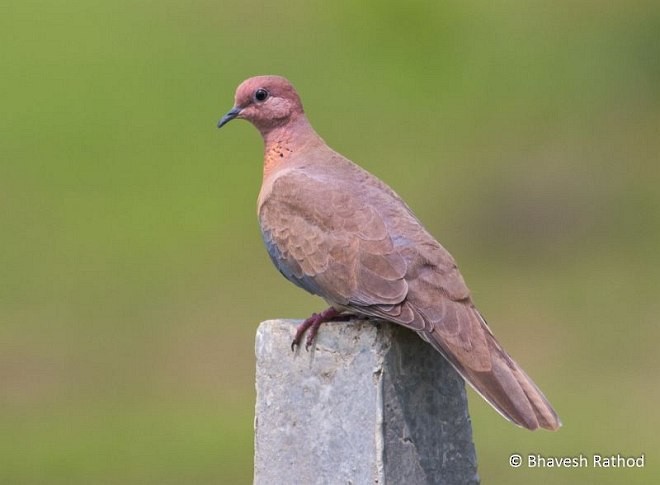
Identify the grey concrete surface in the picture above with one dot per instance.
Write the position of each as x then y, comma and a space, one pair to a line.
370, 403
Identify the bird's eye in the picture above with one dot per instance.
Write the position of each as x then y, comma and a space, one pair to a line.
261, 94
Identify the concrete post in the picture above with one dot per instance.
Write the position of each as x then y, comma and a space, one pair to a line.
371, 403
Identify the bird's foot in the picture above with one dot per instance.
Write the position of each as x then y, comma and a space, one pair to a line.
313, 323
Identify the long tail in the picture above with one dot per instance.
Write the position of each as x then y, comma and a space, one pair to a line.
501, 382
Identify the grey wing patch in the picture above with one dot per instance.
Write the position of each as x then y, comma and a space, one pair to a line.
288, 267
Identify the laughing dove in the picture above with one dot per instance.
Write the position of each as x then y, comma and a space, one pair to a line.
338, 232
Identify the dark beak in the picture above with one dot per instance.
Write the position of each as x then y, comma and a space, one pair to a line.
233, 113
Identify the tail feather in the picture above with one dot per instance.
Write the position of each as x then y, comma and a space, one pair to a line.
504, 385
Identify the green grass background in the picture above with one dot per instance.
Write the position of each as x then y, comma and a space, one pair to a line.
132, 275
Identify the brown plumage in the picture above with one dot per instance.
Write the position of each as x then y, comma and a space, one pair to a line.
337, 231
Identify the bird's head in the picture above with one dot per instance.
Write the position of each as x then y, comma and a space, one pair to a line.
265, 101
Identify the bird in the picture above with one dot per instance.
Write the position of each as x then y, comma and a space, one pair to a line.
339, 232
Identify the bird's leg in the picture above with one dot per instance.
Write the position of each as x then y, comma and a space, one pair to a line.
313, 323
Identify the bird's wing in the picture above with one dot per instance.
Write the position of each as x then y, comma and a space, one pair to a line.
324, 238
355, 243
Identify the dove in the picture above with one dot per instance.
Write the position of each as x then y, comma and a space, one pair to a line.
338, 232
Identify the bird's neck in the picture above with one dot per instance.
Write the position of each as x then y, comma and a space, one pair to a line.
281, 143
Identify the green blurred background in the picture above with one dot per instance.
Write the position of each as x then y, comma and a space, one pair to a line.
132, 275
